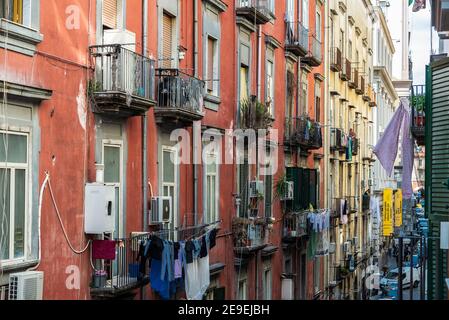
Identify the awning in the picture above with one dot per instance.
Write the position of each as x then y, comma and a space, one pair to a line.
269, 250
216, 268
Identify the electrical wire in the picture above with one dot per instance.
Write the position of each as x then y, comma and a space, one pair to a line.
62, 224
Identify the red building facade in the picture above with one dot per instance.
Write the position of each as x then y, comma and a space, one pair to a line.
111, 84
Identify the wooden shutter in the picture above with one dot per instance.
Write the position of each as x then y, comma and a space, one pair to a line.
110, 13
305, 189
210, 64
167, 40
313, 188
243, 186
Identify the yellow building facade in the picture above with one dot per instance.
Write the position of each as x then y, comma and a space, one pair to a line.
351, 100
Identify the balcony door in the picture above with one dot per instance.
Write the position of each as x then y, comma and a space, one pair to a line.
113, 176
169, 186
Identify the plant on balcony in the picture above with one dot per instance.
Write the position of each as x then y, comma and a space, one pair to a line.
255, 114
280, 187
419, 102
240, 231
344, 272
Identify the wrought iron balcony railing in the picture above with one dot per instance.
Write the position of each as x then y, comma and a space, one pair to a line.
123, 81
258, 11
297, 38
121, 275
346, 74
248, 233
295, 225
336, 60
354, 81
313, 58
418, 113
360, 89
308, 133
180, 96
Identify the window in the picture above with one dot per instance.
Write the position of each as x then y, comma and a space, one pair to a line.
303, 99
290, 96
211, 188
14, 190
242, 290
270, 84
170, 182
211, 66
349, 50
331, 32
243, 187
341, 41
243, 83
316, 274
268, 195
12, 10
290, 11
317, 100
112, 159
167, 40
267, 284
305, 13
318, 24
110, 13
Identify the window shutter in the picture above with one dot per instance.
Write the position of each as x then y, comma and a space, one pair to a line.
313, 187
210, 64
110, 13
305, 189
167, 40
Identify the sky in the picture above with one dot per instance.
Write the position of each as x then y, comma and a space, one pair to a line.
420, 44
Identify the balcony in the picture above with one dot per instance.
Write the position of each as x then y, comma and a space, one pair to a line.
355, 146
338, 140
336, 60
294, 227
360, 89
367, 94
255, 11
255, 114
290, 138
308, 134
372, 96
354, 81
297, 38
180, 97
313, 58
345, 73
248, 235
120, 277
123, 82
418, 114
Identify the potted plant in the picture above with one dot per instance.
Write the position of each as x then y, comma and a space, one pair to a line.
255, 114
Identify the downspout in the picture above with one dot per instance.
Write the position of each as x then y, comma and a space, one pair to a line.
144, 123
326, 128
196, 124
144, 134
259, 62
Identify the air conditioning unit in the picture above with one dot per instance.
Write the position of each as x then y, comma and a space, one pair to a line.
256, 188
26, 285
288, 192
99, 208
288, 289
161, 210
332, 247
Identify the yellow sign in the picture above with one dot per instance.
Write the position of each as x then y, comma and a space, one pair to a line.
398, 208
387, 212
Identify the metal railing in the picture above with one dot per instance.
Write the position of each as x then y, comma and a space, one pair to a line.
346, 71
418, 106
297, 35
354, 78
176, 89
355, 146
316, 47
336, 59
295, 225
266, 7
361, 86
122, 70
248, 232
122, 272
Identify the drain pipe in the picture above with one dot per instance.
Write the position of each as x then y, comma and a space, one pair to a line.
144, 134
196, 124
144, 123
